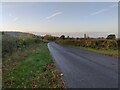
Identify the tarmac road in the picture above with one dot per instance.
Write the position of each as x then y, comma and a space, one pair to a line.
84, 69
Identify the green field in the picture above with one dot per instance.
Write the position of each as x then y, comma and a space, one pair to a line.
34, 70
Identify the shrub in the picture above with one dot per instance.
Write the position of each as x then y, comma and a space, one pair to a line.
111, 36
11, 44
92, 43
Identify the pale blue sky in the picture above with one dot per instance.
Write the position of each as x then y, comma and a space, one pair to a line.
61, 17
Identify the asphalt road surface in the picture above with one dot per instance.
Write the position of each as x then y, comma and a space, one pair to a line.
84, 69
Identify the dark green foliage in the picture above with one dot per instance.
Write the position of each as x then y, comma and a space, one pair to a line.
118, 41
111, 36
49, 38
62, 37
21, 43
2, 33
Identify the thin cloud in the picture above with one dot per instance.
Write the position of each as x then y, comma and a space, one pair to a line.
100, 11
14, 19
53, 15
103, 10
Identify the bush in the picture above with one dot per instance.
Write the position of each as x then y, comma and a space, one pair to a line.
111, 36
8, 44
11, 44
49, 38
92, 43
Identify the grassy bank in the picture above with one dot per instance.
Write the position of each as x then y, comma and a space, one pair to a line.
31, 70
103, 46
103, 51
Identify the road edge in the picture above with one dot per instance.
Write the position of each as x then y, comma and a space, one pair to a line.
57, 68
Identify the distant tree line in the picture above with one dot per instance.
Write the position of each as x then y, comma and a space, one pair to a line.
110, 42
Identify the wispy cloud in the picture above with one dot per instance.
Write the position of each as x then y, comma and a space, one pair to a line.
103, 10
53, 15
14, 19
100, 11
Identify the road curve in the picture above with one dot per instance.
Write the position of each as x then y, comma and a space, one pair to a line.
84, 69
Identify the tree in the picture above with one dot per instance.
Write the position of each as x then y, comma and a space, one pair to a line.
111, 36
3, 33
62, 37
77, 38
49, 38
68, 37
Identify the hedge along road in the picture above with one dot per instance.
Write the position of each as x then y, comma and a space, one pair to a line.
84, 69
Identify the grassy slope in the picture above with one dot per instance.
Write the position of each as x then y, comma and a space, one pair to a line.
37, 70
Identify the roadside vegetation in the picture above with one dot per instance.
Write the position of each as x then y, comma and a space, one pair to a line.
108, 46
27, 63
103, 51
0, 60
11, 43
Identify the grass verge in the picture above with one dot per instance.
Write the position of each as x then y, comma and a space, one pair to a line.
35, 70
103, 51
